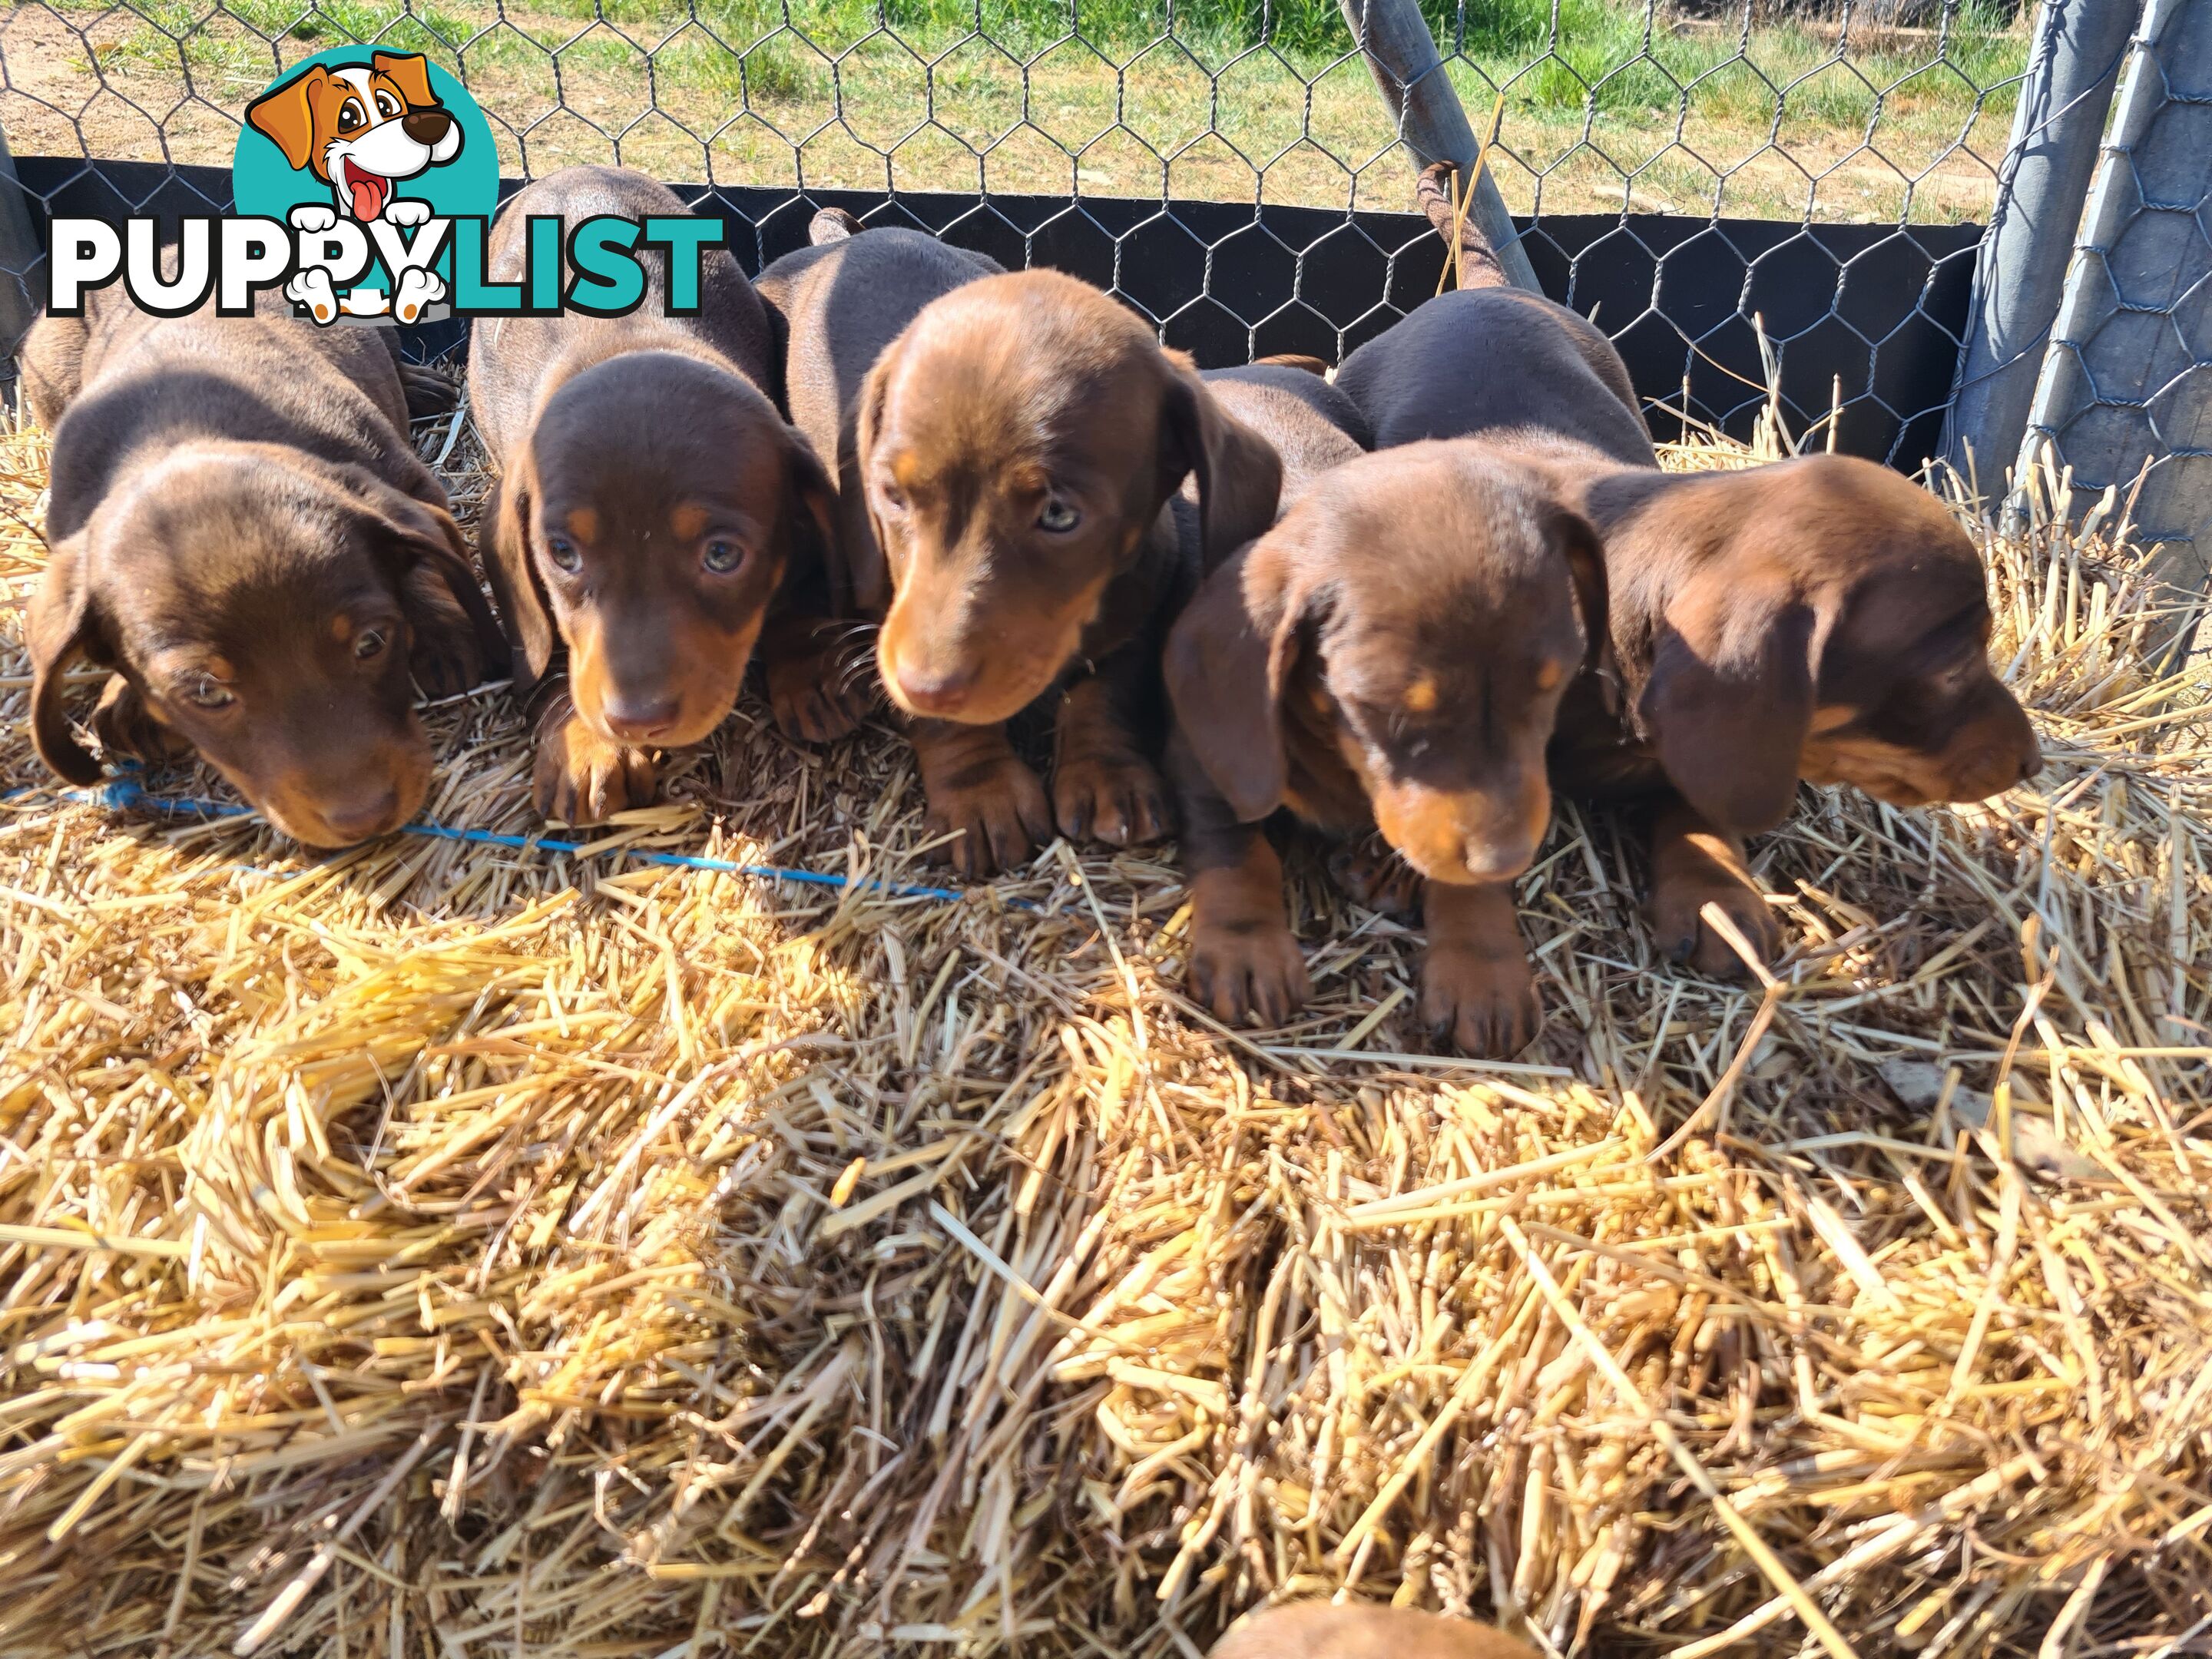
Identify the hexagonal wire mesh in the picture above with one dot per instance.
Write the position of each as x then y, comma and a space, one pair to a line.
1738, 189
2125, 400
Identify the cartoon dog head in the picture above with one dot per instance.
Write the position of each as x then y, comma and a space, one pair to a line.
360, 130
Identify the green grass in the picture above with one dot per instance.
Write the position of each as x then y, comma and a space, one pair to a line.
1599, 104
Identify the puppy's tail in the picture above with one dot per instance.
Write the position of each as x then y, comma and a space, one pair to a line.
831, 224
1476, 260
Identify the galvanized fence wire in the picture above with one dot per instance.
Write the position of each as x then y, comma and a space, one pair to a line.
1695, 176
2123, 403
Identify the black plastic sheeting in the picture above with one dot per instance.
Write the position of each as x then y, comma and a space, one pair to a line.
1863, 317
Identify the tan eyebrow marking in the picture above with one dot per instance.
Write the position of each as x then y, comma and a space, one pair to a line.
1421, 695
584, 524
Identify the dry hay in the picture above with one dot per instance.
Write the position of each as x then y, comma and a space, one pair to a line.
440, 1248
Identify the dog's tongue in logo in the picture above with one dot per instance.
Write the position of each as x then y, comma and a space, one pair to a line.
368, 192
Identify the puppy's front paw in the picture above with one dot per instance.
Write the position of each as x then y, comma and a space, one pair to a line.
1117, 798
998, 807
417, 289
581, 778
1679, 929
313, 217
814, 698
1375, 877
126, 727
405, 210
1485, 1001
1245, 968
428, 391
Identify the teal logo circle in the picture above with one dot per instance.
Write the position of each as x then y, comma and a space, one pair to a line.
365, 133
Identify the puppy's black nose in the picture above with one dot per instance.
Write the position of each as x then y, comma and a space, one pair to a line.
360, 819
640, 720
425, 126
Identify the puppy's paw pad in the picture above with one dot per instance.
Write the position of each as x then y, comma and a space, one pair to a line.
406, 211
582, 779
1486, 1005
998, 807
1241, 970
313, 217
1374, 876
1679, 926
1118, 799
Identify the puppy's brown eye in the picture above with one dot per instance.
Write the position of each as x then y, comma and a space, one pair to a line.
722, 556
351, 116
206, 691
562, 552
1059, 517
387, 105
367, 644
892, 497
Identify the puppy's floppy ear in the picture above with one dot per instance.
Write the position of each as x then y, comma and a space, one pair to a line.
63, 625
1729, 702
816, 499
1239, 475
863, 575
432, 536
523, 604
410, 72
1578, 541
286, 115
1228, 659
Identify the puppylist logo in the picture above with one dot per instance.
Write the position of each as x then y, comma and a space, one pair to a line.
365, 182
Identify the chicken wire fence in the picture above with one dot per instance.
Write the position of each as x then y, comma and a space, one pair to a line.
1777, 195
2123, 399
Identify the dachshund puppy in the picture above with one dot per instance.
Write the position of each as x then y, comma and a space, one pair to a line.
1019, 447
1390, 656
1822, 618
1320, 1629
843, 301
241, 530
655, 517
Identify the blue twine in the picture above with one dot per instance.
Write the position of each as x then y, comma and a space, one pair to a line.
121, 793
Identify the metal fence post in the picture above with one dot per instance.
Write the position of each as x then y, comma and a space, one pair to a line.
2019, 274
1401, 54
2126, 387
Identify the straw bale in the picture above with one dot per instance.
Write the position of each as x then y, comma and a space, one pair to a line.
441, 1248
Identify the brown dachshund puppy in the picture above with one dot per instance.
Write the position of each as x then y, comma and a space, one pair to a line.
843, 299
1822, 618
1390, 656
1320, 1629
1020, 447
655, 516
241, 530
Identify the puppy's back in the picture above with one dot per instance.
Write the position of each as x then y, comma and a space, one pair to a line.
843, 301
1319, 1630
512, 360
1498, 362
145, 386
1312, 425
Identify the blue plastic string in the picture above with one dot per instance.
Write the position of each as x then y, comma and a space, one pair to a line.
123, 794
